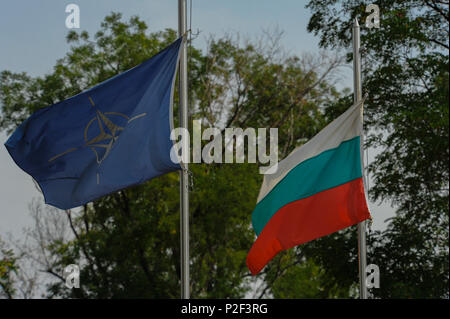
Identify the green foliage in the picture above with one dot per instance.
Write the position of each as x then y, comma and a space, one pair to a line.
131, 238
8, 266
405, 73
306, 281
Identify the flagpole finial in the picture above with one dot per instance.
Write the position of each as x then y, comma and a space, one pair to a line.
355, 23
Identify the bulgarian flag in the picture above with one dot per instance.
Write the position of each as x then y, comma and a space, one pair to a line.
318, 189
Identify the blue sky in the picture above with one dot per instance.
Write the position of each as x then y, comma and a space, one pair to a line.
32, 38
33, 33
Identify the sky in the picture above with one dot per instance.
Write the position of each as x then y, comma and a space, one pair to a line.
32, 38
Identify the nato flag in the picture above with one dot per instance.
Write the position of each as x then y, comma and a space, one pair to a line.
112, 136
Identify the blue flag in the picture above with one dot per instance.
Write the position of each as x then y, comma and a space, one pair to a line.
112, 136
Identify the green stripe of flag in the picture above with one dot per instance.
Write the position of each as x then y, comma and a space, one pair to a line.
329, 169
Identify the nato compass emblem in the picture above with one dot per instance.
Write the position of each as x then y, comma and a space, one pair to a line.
101, 132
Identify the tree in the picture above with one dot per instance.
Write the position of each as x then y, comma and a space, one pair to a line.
406, 77
8, 267
127, 244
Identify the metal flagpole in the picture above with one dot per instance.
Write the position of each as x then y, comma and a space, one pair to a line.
357, 96
184, 177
